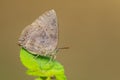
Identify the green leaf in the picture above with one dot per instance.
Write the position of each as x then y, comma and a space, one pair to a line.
41, 66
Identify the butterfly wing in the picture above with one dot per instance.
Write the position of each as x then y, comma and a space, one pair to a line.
42, 35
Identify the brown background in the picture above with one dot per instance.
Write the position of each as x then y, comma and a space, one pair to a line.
91, 28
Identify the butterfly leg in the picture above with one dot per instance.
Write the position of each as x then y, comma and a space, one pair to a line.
51, 55
46, 54
36, 56
51, 59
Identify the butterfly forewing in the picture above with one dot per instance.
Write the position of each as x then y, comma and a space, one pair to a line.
42, 35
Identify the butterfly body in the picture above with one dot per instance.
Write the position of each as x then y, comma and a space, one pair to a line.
41, 37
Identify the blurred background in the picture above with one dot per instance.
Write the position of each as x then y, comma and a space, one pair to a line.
91, 28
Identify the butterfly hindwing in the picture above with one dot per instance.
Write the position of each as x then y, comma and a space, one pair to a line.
42, 35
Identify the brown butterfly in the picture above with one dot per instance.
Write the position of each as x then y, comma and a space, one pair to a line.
41, 37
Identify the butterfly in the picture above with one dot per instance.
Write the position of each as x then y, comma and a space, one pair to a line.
41, 37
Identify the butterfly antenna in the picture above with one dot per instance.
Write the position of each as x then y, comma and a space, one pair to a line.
61, 48
64, 48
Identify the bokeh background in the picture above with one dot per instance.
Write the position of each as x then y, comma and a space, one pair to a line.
91, 28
